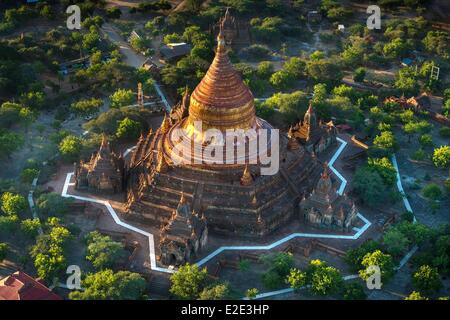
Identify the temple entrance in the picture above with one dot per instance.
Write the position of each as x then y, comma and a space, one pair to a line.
172, 259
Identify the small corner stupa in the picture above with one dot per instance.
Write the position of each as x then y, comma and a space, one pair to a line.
314, 135
103, 173
326, 208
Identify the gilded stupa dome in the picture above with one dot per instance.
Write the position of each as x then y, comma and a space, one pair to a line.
221, 100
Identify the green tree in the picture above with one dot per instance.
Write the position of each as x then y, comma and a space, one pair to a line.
396, 48
355, 256
91, 39
437, 42
188, 281
354, 291
267, 29
122, 98
102, 251
432, 191
406, 81
12, 113
427, 280
325, 279
35, 100
446, 109
366, 184
13, 204
251, 293
113, 13
395, 241
9, 142
296, 279
417, 233
279, 266
382, 260
52, 204
128, 129
359, 75
441, 157
281, 79
107, 285
345, 91
27, 175
384, 168
8, 224
324, 71
70, 147
291, 105
354, 52
415, 296
386, 141
50, 250
265, 69
30, 227
87, 107
295, 66
217, 292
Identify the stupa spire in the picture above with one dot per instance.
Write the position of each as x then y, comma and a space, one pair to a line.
246, 178
221, 100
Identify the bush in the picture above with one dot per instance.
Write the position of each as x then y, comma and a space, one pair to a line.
265, 69
444, 132
432, 192
272, 280
28, 175
354, 291
280, 262
419, 155
279, 265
